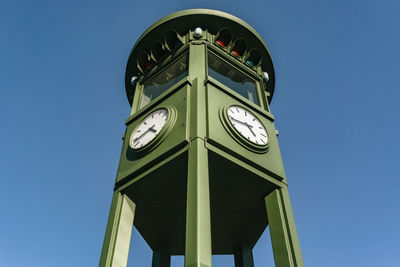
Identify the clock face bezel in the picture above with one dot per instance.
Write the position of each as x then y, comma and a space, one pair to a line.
159, 137
237, 136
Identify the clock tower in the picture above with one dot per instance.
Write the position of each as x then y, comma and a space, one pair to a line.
200, 171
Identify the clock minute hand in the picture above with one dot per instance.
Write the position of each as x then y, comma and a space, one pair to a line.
143, 134
246, 124
241, 122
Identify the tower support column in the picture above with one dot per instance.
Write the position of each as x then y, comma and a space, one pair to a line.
119, 231
285, 242
244, 257
198, 221
161, 258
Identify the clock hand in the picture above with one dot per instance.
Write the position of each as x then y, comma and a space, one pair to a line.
246, 124
249, 126
152, 129
241, 122
143, 134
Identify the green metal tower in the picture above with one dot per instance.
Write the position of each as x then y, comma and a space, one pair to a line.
200, 171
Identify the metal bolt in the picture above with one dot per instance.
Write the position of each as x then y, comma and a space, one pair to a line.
198, 33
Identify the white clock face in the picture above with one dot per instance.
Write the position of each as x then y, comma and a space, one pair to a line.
248, 125
149, 128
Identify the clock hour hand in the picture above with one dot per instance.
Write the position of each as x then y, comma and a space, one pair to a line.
151, 129
251, 130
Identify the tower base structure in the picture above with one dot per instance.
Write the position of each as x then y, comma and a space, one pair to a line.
216, 216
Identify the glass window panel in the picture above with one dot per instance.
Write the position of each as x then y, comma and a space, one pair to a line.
164, 80
233, 78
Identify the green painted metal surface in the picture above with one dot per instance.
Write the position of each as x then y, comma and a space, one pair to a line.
132, 163
119, 231
213, 192
198, 222
284, 239
219, 97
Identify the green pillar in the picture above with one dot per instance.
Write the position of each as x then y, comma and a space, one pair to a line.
161, 258
285, 243
118, 234
198, 223
244, 256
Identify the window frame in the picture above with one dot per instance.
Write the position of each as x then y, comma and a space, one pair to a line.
158, 70
252, 75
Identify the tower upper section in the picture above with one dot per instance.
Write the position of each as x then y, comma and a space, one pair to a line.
221, 31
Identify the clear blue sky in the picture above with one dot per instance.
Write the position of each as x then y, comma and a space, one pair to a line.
63, 106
